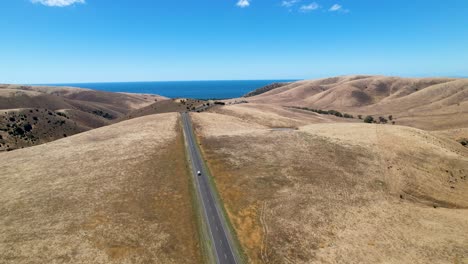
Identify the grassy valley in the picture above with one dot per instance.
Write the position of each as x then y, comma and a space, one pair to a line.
304, 174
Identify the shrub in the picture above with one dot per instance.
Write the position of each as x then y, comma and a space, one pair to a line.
62, 114
324, 112
369, 119
383, 120
18, 131
390, 117
359, 116
27, 127
464, 142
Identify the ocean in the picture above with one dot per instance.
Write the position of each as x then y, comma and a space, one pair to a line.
177, 89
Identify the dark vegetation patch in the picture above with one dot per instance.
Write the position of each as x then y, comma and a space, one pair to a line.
26, 128
265, 89
324, 112
380, 120
103, 114
369, 119
464, 142
62, 115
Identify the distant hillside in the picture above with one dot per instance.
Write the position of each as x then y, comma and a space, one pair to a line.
165, 106
31, 115
265, 89
428, 103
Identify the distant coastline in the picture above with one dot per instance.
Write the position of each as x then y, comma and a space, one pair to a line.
180, 89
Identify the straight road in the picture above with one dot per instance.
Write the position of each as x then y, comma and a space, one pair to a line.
221, 239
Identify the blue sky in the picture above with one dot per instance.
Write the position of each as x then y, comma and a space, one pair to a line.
53, 41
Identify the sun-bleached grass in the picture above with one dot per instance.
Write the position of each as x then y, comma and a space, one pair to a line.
340, 193
118, 194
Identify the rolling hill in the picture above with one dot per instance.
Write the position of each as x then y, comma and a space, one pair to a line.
336, 192
31, 115
427, 103
115, 194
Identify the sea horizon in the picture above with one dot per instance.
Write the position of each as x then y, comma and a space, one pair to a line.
199, 89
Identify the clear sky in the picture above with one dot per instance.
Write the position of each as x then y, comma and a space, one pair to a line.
53, 41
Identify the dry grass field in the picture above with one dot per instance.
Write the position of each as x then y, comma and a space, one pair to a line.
425, 103
275, 116
117, 194
50, 113
47, 97
338, 192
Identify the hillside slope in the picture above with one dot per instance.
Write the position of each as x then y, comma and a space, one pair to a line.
427, 103
116, 194
338, 192
50, 113
165, 106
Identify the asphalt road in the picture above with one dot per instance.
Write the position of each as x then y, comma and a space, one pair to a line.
221, 239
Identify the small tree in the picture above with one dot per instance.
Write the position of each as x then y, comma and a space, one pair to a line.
369, 119
390, 117
360, 116
383, 120
27, 127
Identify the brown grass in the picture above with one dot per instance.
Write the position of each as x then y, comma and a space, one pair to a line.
425, 103
330, 193
118, 194
86, 109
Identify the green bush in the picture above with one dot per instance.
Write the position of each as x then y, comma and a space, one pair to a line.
369, 119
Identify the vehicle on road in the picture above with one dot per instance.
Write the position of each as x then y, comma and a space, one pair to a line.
199, 173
